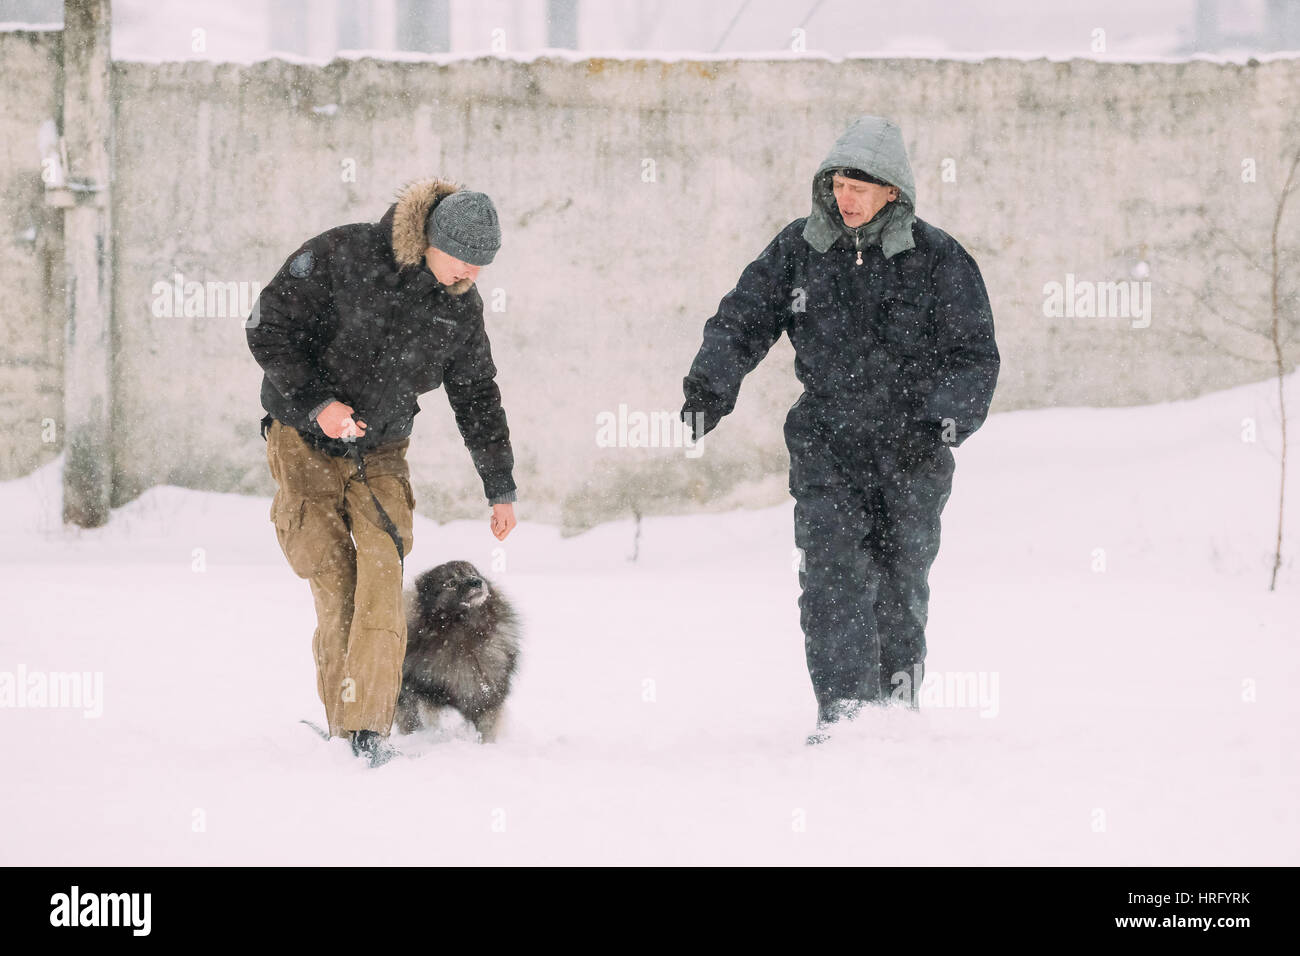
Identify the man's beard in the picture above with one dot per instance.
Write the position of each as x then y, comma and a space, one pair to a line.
460, 287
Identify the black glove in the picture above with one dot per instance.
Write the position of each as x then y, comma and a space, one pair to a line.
693, 417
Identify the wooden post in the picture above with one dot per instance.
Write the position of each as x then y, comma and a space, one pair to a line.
88, 255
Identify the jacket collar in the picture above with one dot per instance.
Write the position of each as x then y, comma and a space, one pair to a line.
405, 219
403, 228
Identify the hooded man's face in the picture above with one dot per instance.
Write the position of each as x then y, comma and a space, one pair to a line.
859, 201
457, 276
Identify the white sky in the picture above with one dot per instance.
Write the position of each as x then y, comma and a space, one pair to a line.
242, 29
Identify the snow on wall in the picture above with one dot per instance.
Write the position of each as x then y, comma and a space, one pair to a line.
1047, 171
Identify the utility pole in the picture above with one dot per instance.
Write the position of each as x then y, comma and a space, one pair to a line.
82, 190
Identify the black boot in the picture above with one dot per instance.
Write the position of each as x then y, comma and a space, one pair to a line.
833, 713
373, 747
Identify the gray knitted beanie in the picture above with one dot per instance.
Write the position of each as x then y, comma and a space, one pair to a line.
464, 225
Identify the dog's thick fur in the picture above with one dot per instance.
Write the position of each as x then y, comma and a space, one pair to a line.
462, 647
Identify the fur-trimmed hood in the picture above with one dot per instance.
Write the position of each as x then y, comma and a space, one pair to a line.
414, 200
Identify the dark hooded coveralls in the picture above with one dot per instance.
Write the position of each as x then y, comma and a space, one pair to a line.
895, 350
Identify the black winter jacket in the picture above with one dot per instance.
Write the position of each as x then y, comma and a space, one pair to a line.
884, 350
355, 315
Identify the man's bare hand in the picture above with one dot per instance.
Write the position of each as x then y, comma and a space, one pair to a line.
336, 421
503, 520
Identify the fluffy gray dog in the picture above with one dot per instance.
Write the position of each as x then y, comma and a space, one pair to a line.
462, 646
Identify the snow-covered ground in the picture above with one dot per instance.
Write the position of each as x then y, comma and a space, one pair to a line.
1141, 714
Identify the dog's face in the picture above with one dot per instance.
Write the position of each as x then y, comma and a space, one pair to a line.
451, 589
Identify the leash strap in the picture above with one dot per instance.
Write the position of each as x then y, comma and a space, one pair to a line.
384, 519
383, 515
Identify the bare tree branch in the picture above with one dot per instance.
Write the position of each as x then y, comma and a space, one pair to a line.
1221, 233
1208, 303
1278, 358
1218, 346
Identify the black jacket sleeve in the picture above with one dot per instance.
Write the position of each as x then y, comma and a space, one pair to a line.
748, 322
292, 321
968, 359
470, 381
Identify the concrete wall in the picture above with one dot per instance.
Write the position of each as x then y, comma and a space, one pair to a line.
1086, 168
31, 257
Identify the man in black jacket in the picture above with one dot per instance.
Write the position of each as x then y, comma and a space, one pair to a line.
359, 322
893, 340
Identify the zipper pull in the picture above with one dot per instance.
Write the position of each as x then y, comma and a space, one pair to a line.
857, 243
859, 262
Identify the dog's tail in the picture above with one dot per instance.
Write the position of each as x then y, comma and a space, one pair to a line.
320, 731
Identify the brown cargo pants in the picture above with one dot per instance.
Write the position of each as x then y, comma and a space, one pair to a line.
332, 535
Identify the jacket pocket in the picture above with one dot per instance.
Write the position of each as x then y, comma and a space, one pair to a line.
908, 323
300, 535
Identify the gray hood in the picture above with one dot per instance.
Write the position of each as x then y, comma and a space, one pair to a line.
874, 145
